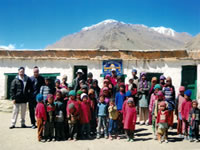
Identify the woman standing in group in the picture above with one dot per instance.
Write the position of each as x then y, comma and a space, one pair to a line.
143, 99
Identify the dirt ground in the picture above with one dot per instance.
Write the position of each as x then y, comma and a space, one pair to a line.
26, 139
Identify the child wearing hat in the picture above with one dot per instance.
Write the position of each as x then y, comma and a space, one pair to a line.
50, 111
179, 101
120, 97
129, 120
78, 96
57, 84
162, 122
59, 118
185, 110
194, 121
113, 122
85, 117
155, 109
106, 95
72, 99
102, 113
73, 122
153, 98
125, 104
40, 114
162, 81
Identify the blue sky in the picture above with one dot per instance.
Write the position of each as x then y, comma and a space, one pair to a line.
33, 24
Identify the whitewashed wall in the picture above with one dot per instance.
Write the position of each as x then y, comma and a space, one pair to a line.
169, 68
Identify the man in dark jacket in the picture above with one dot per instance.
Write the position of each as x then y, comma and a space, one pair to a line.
20, 91
78, 78
37, 82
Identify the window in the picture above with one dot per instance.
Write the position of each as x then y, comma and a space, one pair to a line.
151, 75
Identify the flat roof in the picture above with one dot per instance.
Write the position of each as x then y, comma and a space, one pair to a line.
100, 54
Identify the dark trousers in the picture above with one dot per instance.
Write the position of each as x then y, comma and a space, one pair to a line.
93, 125
59, 131
32, 105
49, 130
73, 129
113, 127
129, 134
85, 130
195, 130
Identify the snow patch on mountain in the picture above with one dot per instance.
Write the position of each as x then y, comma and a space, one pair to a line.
105, 22
165, 31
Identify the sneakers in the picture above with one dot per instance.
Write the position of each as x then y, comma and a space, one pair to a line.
33, 126
147, 123
155, 137
166, 141
180, 136
186, 138
105, 136
197, 140
98, 136
191, 140
12, 126
128, 140
131, 140
141, 122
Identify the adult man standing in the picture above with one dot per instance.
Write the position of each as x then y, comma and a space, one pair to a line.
20, 91
78, 78
37, 82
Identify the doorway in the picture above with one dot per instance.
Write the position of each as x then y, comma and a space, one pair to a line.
85, 70
189, 79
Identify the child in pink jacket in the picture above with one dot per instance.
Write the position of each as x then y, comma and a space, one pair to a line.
130, 117
40, 114
185, 110
179, 101
157, 87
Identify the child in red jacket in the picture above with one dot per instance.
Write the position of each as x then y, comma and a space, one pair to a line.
85, 116
185, 111
40, 114
130, 117
162, 122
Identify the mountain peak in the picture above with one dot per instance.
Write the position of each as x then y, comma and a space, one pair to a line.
113, 34
164, 30
105, 22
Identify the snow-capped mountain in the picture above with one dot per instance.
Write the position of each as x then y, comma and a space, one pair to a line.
113, 34
165, 31
105, 22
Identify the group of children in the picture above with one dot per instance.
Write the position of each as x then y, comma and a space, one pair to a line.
82, 117
90, 112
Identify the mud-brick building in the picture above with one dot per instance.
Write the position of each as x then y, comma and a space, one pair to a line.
183, 66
